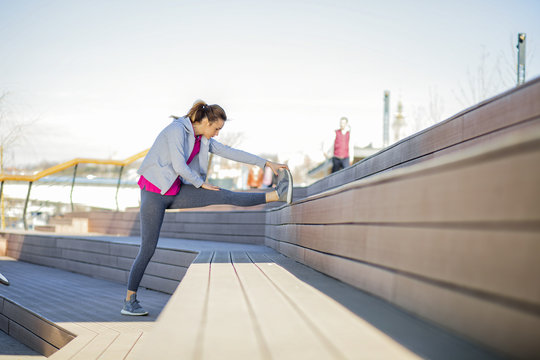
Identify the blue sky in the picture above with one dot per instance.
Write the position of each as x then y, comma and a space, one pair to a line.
100, 78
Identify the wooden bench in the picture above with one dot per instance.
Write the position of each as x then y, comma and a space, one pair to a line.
242, 305
454, 240
251, 303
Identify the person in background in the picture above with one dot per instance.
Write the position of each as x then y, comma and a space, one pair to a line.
340, 158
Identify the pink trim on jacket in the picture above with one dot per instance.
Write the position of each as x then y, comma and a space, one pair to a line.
175, 188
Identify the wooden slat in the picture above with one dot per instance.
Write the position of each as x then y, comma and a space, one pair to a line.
89, 257
228, 317
236, 238
174, 257
4, 323
347, 334
84, 337
167, 286
99, 344
121, 347
30, 339
530, 125
183, 313
445, 194
287, 334
101, 247
213, 228
35, 324
219, 217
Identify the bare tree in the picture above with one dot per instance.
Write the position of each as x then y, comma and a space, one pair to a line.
482, 83
492, 76
435, 107
419, 118
12, 132
231, 139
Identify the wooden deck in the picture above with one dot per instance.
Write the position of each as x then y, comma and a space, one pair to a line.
247, 304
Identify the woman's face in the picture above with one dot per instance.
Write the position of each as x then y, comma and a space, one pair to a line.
211, 129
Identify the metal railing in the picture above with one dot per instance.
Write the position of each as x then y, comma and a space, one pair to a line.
63, 166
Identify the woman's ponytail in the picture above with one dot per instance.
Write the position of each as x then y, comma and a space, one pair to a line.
201, 109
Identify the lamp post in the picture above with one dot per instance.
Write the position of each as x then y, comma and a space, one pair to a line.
521, 58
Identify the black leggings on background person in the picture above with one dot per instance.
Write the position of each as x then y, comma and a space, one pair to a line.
338, 163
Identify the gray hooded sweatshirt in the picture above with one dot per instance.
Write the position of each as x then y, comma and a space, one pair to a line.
167, 158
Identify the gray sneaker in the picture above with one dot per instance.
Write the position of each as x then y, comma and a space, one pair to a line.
132, 307
3, 280
284, 186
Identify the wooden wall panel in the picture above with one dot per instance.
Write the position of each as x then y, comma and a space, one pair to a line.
100, 259
502, 262
508, 329
455, 239
491, 189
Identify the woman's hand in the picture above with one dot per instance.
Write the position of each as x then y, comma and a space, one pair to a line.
208, 186
275, 166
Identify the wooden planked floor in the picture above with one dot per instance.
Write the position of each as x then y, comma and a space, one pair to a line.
85, 306
242, 305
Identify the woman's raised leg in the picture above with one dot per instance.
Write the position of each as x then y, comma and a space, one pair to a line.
191, 197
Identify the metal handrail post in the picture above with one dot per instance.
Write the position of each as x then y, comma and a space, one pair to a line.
72, 186
26, 205
118, 186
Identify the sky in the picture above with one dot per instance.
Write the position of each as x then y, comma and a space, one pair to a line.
100, 78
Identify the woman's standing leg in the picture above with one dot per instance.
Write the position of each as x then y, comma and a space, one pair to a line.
152, 211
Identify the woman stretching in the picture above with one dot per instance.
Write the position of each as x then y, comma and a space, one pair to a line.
173, 176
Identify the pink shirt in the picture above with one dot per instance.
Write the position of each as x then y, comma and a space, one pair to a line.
175, 188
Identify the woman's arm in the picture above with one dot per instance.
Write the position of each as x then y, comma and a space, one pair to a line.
234, 154
243, 156
175, 141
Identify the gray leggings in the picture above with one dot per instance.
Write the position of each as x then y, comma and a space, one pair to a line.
153, 206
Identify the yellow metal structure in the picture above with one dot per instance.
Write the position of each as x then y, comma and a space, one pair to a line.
70, 163
55, 169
